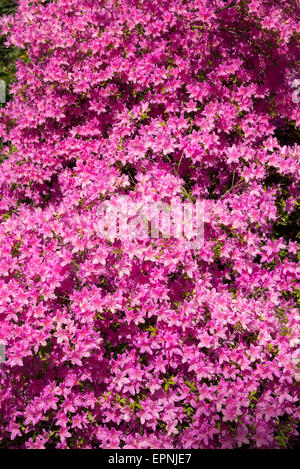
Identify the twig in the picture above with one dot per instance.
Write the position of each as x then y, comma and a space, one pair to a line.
238, 184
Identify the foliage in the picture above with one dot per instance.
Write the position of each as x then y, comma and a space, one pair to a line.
117, 343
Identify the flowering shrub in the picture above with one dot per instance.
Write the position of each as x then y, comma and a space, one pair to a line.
142, 343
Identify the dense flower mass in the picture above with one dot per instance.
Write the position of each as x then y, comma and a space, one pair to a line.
142, 343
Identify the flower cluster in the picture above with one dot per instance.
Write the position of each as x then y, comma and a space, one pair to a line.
142, 343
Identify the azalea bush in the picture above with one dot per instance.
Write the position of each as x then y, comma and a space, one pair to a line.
143, 342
